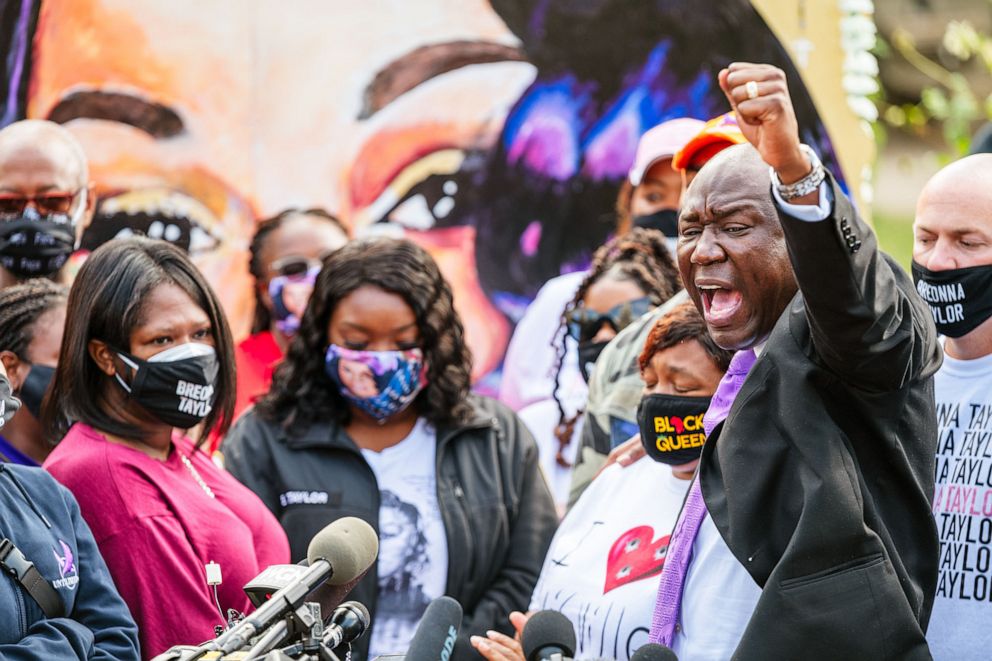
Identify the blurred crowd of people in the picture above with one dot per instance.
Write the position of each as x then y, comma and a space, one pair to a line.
744, 431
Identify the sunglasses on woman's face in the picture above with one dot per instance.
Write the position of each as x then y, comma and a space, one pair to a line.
12, 204
583, 323
295, 266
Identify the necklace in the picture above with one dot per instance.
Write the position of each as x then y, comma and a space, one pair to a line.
196, 474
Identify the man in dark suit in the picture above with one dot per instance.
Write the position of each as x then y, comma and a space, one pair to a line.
808, 533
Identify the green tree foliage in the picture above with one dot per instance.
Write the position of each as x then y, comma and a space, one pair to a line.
950, 101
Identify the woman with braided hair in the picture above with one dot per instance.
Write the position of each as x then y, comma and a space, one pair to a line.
32, 316
370, 415
629, 276
285, 258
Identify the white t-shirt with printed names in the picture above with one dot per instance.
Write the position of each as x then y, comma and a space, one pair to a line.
605, 561
413, 547
961, 620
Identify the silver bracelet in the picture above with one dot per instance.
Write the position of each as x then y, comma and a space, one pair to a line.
808, 184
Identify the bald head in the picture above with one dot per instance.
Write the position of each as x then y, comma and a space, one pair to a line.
739, 167
42, 167
965, 184
44, 150
953, 227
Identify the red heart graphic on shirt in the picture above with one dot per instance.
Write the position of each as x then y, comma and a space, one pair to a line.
634, 557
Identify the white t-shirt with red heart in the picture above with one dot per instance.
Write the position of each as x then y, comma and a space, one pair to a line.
605, 561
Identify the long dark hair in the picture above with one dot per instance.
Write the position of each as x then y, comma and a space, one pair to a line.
107, 302
302, 393
640, 256
262, 319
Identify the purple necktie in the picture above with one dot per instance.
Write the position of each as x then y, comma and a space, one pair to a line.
666, 609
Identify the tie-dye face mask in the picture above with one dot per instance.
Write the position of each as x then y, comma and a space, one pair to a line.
379, 383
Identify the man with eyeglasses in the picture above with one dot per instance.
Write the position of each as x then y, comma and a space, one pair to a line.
46, 200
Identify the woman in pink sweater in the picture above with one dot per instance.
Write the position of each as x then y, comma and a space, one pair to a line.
147, 354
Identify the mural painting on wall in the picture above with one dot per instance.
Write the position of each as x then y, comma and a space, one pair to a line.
495, 134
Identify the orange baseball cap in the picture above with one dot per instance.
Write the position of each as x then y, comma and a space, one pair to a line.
716, 135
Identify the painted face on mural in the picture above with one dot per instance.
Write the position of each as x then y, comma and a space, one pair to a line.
214, 117
487, 131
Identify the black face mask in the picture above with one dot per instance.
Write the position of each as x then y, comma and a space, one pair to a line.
959, 299
34, 388
672, 427
665, 221
34, 246
588, 355
177, 385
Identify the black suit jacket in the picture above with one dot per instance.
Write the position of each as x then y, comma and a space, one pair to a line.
821, 478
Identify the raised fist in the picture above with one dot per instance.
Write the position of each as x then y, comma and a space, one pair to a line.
759, 95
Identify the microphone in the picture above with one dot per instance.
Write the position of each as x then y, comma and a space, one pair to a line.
548, 636
437, 632
272, 579
348, 622
337, 554
330, 595
654, 652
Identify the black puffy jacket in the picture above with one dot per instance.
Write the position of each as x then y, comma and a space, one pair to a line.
497, 510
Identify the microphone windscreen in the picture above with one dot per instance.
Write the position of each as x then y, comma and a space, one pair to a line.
330, 596
437, 632
350, 546
654, 652
548, 629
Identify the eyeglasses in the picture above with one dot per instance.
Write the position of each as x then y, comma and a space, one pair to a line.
295, 266
583, 323
12, 204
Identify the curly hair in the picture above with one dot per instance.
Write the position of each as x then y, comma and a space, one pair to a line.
682, 324
262, 319
20, 308
641, 256
302, 393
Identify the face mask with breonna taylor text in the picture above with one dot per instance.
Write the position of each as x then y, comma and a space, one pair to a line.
959, 299
177, 385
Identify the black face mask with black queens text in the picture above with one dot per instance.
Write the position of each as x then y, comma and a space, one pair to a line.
672, 427
959, 299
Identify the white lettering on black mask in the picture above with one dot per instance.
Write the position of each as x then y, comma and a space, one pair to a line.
177, 385
33, 245
959, 299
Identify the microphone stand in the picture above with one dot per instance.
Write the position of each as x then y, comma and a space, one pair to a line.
305, 621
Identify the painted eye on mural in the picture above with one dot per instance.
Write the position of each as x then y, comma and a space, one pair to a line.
632, 545
660, 552
426, 194
156, 213
624, 572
